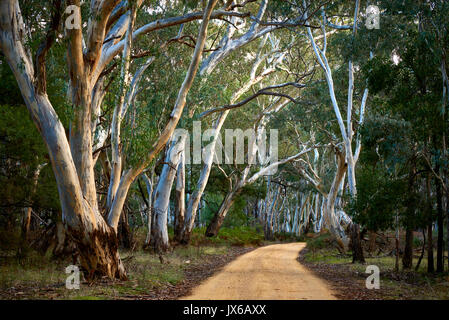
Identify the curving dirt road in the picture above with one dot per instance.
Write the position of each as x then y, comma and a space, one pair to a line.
267, 273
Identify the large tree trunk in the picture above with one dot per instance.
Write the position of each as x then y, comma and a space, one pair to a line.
160, 241
99, 254
73, 162
330, 217
96, 241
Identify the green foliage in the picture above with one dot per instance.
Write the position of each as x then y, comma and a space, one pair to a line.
237, 236
380, 197
22, 151
322, 241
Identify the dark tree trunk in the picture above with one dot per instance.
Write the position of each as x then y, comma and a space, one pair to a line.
440, 224
356, 244
422, 250
447, 228
179, 226
215, 225
124, 232
216, 222
99, 255
372, 241
407, 258
430, 263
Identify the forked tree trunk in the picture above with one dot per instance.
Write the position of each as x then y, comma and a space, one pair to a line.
73, 162
346, 132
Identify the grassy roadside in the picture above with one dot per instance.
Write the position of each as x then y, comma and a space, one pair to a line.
348, 279
41, 277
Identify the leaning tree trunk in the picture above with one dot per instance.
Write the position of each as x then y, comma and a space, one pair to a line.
217, 220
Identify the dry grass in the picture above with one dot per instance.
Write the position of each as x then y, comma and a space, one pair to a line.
38, 277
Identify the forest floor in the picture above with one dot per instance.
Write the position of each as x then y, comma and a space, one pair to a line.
39, 276
267, 273
348, 280
149, 279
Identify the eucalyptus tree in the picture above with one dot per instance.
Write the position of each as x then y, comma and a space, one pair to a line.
268, 59
91, 47
227, 45
266, 167
281, 91
346, 131
407, 128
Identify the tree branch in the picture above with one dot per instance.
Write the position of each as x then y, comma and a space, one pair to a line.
263, 91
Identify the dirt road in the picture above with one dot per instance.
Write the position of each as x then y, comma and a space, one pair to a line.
267, 273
